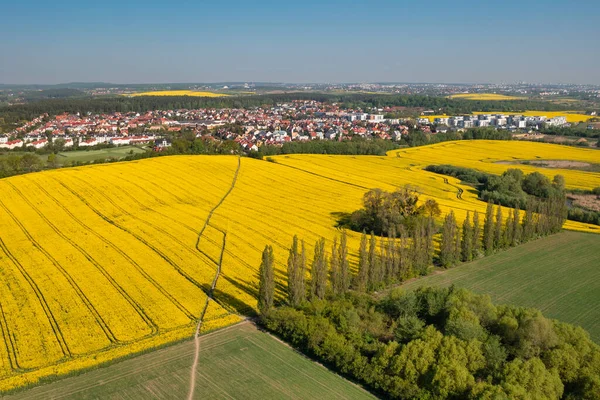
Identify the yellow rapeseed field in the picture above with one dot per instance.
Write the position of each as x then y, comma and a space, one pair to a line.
99, 262
178, 93
572, 116
484, 96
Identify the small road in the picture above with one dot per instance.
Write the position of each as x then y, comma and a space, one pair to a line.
214, 282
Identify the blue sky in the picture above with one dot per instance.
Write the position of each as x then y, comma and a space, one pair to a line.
308, 41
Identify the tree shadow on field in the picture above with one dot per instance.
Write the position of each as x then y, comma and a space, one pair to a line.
246, 287
342, 219
280, 288
238, 305
229, 302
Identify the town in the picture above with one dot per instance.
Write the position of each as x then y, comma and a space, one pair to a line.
252, 128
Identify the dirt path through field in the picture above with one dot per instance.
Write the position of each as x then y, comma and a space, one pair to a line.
214, 282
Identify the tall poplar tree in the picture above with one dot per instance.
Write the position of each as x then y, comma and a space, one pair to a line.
507, 236
390, 260
292, 264
362, 279
476, 246
266, 283
343, 264
498, 238
488, 229
457, 242
467, 239
334, 270
528, 224
374, 264
516, 228
429, 247
448, 244
301, 276
404, 257
419, 259
318, 271
296, 272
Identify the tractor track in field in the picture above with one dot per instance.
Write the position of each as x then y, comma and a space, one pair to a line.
214, 282
136, 236
119, 289
459, 191
117, 249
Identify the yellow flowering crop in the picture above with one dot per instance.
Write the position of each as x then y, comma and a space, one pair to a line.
179, 93
572, 116
99, 262
485, 96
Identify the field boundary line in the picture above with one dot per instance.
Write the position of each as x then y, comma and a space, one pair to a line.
137, 237
144, 221
62, 341
118, 288
323, 176
122, 253
214, 282
40, 296
9, 342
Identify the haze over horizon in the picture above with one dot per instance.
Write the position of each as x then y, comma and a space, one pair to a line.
312, 42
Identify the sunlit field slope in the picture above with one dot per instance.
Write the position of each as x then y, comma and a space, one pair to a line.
96, 263
485, 96
102, 261
178, 93
492, 156
572, 116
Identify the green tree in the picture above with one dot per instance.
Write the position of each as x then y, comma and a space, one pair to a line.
52, 161
476, 246
498, 239
516, 227
488, 229
528, 224
362, 279
343, 263
318, 272
507, 233
404, 256
374, 264
334, 270
266, 283
429, 248
467, 239
296, 271
431, 208
448, 255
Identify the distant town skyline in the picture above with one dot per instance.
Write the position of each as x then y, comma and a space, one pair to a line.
308, 42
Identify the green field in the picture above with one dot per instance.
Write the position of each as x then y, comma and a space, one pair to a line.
559, 274
239, 362
91, 155
83, 155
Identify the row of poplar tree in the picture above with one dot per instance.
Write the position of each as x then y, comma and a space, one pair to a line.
385, 261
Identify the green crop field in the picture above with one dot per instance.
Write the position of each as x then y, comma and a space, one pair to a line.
238, 362
91, 155
559, 274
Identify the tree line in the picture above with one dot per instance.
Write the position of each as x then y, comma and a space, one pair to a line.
431, 343
356, 145
515, 189
383, 261
437, 343
511, 189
